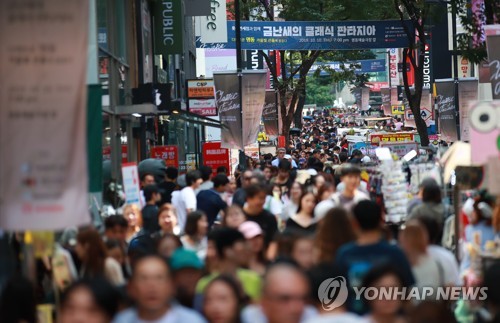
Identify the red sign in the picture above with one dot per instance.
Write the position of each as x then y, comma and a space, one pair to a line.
215, 156
281, 142
376, 86
169, 154
106, 153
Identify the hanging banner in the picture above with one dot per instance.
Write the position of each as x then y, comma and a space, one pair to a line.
399, 137
386, 100
365, 98
131, 186
169, 154
43, 161
215, 156
270, 115
254, 97
393, 66
445, 105
493, 47
168, 25
314, 35
203, 107
228, 102
484, 132
213, 28
467, 93
427, 70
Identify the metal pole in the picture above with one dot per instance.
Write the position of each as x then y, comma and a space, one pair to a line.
455, 64
237, 25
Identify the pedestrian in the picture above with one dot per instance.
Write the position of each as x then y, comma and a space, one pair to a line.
167, 245
255, 240
210, 201
234, 217
432, 205
206, 176
95, 262
187, 270
195, 234
303, 220
292, 201
168, 186
184, 201
152, 290
224, 300
146, 180
150, 211
133, 215
18, 300
239, 196
115, 228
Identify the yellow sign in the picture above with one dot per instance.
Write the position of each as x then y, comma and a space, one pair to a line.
398, 109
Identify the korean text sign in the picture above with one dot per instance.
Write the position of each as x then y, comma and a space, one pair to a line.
314, 35
215, 156
169, 154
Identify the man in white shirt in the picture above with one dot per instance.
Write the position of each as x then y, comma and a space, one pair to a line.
281, 155
398, 124
184, 201
350, 196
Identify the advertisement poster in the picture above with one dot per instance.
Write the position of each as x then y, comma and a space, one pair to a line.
270, 115
214, 156
314, 35
445, 105
228, 103
468, 93
393, 66
203, 107
131, 184
376, 139
43, 149
386, 101
484, 132
254, 97
169, 154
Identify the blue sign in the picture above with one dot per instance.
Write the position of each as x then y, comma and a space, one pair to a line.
363, 66
316, 35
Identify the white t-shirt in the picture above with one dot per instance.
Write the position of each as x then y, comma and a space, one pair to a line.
427, 273
182, 201
448, 263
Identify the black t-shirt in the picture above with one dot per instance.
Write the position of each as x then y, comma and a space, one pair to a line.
267, 222
166, 189
150, 218
210, 202
293, 226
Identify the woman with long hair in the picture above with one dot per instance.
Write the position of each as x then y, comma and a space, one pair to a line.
223, 300
92, 253
334, 230
292, 200
133, 215
303, 220
195, 237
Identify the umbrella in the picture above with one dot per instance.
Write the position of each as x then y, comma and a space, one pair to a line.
308, 118
153, 166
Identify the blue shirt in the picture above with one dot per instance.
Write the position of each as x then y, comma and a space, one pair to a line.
176, 314
210, 202
355, 261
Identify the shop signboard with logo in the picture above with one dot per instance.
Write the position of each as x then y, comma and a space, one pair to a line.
168, 27
399, 137
214, 156
169, 154
201, 97
398, 110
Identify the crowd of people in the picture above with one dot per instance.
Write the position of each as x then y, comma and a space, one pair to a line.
256, 247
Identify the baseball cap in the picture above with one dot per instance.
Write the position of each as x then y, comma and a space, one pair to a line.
183, 258
250, 229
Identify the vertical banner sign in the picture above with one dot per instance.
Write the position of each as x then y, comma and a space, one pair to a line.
131, 187
213, 28
493, 47
43, 162
386, 100
254, 96
168, 24
214, 156
169, 154
254, 60
228, 103
445, 103
270, 115
484, 132
146, 43
393, 66
427, 70
467, 93
365, 98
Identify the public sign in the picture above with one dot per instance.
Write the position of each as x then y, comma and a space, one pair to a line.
215, 156
43, 108
131, 186
398, 109
424, 113
168, 25
169, 154
316, 35
391, 137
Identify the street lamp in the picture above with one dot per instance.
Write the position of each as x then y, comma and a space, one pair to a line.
237, 26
